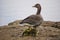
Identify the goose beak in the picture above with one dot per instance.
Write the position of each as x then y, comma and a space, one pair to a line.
33, 6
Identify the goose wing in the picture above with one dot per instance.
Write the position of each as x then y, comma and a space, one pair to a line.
33, 19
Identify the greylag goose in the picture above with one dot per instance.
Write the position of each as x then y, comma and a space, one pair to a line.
34, 20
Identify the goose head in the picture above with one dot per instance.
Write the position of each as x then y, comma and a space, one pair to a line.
37, 5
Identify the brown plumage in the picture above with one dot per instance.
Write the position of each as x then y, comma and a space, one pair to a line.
34, 20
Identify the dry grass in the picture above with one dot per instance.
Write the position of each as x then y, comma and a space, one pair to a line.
14, 32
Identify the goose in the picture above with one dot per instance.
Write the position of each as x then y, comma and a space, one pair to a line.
36, 19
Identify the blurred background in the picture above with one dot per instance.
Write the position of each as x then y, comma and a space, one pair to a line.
11, 10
